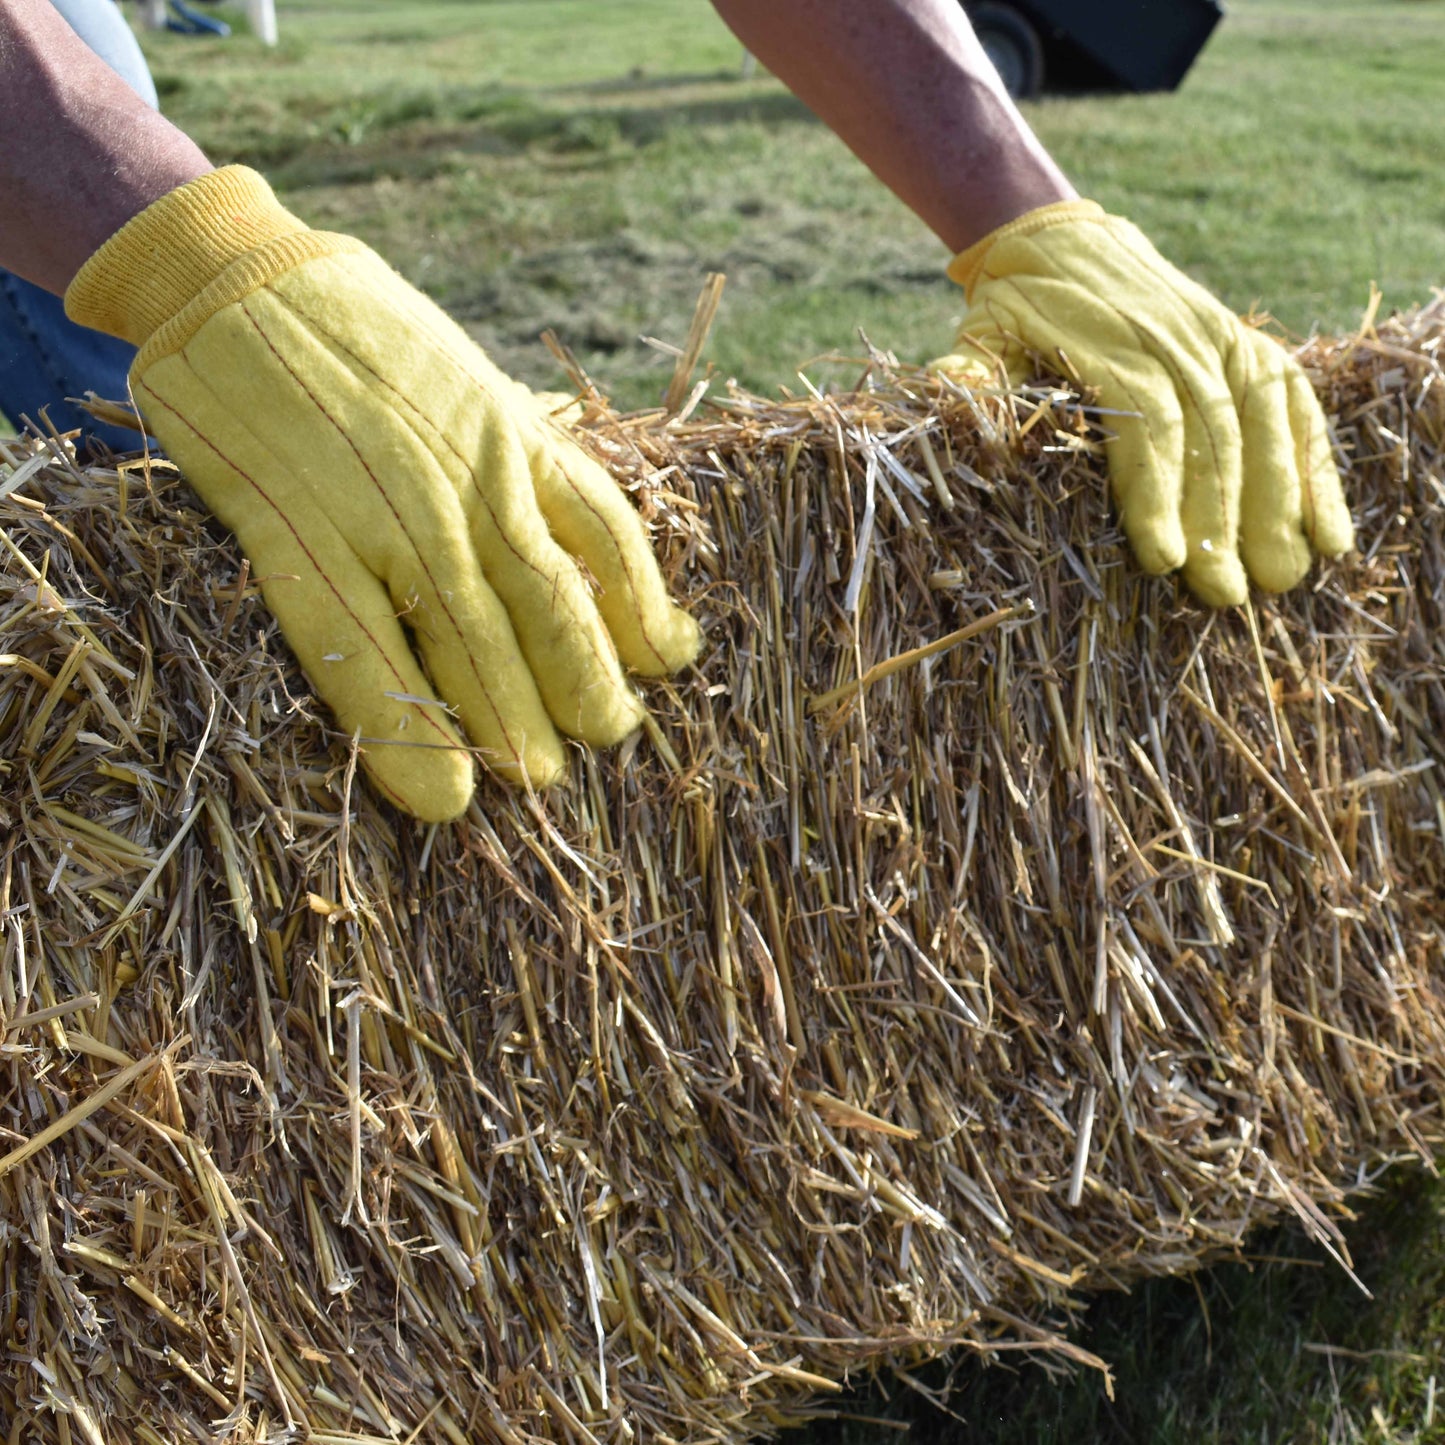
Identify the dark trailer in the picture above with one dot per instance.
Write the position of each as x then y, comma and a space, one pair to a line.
1092, 44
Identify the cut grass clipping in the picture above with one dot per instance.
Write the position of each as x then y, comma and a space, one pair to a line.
978, 925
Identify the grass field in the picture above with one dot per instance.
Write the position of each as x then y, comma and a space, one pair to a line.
581, 164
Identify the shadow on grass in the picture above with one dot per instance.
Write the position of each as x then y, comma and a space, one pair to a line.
1279, 1347
415, 138
641, 81
641, 125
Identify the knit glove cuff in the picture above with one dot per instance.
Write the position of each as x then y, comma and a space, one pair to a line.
212, 241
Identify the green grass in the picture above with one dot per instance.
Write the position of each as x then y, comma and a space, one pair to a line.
1280, 1348
581, 164
1301, 161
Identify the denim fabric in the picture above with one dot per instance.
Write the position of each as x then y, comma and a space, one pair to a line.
44, 356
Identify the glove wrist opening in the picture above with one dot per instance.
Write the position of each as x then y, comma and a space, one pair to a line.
162, 259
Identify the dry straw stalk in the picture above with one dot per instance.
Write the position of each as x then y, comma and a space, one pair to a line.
883, 997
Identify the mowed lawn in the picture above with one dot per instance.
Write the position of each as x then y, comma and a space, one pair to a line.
582, 164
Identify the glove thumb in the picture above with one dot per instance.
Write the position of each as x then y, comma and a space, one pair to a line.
983, 357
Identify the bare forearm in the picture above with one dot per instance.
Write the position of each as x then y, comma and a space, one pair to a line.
906, 86
80, 152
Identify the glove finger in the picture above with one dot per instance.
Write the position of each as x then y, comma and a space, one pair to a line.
591, 516
342, 444
336, 616
588, 695
1213, 461
1174, 459
1325, 510
1224, 433
1146, 461
562, 632
1189, 426
1272, 537
1083, 335
475, 657
653, 635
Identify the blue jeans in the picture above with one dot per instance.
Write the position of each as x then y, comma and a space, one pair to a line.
44, 356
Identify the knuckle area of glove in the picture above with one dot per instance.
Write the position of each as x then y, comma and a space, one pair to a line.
1212, 423
1102, 343
394, 328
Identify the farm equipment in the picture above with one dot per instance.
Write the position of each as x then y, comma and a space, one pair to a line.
1103, 45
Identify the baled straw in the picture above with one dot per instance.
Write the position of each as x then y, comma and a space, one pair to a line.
977, 925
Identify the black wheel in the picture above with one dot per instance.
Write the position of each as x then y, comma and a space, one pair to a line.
1013, 45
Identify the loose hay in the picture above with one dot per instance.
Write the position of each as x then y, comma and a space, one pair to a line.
827, 1027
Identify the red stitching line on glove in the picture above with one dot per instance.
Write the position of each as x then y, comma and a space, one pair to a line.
443, 345
375, 481
621, 556
320, 571
466, 466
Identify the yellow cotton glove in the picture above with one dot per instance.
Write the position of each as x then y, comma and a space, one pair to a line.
395, 493
1223, 466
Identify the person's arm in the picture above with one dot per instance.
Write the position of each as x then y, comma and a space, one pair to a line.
908, 88
80, 152
395, 494
1220, 457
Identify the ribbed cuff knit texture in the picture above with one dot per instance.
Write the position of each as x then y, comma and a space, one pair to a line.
163, 258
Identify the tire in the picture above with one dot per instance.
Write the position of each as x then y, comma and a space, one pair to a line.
1013, 45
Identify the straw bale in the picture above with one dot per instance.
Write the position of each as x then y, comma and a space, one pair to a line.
977, 925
